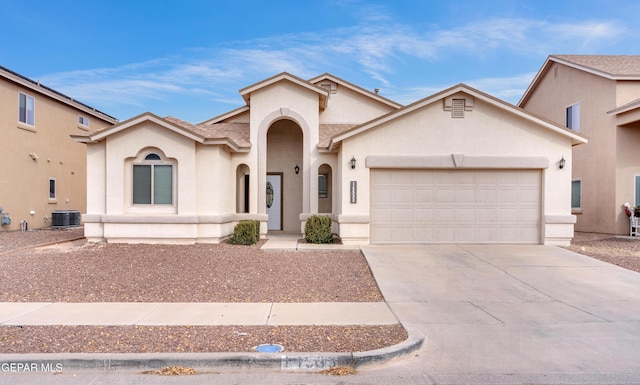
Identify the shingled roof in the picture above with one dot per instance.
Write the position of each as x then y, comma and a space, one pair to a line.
617, 66
237, 132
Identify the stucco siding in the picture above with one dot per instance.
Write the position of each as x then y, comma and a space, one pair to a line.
34, 154
347, 106
594, 163
486, 131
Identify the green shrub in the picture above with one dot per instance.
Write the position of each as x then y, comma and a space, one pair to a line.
317, 229
246, 232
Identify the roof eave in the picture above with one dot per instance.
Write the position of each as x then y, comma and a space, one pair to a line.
56, 95
226, 116
229, 143
247, 91
147, 116
357, 89
576, 138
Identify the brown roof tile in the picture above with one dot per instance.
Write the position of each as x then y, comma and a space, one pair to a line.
328, 131
237, 132
616, 65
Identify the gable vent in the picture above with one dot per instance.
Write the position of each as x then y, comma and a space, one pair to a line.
331, 87
458, 104
457, 108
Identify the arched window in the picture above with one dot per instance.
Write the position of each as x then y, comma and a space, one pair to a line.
325, 200
152, 181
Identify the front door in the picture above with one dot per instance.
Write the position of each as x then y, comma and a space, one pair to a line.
274, 201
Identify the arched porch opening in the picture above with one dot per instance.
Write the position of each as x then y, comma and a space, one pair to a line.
285, 175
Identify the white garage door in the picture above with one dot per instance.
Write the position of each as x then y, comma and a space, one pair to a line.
437, 206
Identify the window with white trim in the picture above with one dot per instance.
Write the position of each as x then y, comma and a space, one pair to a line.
153, 181
573, 117
26, 111
83, 121
576, 194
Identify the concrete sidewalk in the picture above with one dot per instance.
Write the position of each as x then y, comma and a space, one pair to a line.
174, 314
295, 242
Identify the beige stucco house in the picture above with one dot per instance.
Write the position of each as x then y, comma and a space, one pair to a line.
42, 169
456, 167
598, 96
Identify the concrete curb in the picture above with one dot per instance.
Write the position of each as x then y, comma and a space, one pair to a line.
65, 362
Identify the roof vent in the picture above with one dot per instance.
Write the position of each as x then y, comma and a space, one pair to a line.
458, 104
457, 109
376, 90
330, 86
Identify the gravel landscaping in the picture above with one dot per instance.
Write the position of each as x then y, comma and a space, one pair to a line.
621, 251
77, 271
89, 272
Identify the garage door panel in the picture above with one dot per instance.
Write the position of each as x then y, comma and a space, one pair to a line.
465, 195
423, 215
402, 215
528, 196
422, 195
381, 195
528, 215
446, 196
403, 234
436, 206
402, 195
484, 195
486, 215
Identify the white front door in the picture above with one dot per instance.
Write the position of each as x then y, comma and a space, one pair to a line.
274, 201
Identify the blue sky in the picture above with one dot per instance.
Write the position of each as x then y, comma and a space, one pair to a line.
188, 59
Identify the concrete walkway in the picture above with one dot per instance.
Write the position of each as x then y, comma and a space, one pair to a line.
138, 313
295, 242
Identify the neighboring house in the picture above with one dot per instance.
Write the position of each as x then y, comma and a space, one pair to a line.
42, 168
598, 96
456, 167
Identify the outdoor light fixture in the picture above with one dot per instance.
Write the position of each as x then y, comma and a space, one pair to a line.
297, 169
353, 162
562, 162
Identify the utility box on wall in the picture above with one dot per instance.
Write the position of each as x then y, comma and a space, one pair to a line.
5, 218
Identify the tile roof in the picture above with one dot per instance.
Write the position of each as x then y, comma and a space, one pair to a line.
328, 131
615, 65
237, 132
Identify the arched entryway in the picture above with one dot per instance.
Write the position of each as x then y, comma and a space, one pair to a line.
284, 176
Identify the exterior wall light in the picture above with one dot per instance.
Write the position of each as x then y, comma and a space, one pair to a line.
353, 162
297, 169
562, 162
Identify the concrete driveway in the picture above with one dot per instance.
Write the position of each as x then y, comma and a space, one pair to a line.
511, 314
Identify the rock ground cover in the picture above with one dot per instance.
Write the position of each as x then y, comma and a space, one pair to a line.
80, 272
77, 271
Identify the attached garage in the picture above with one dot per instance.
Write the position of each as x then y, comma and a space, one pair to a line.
455, 206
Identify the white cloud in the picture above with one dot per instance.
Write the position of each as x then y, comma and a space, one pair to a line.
378, 47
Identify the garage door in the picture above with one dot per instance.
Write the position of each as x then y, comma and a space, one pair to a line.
437, 206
